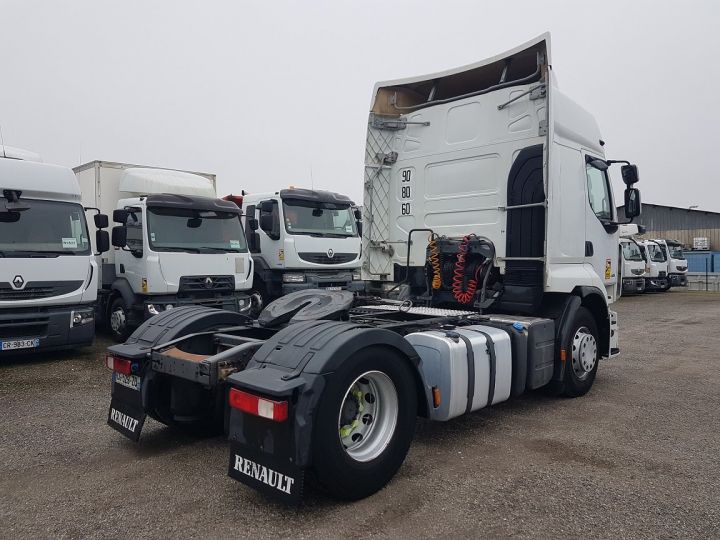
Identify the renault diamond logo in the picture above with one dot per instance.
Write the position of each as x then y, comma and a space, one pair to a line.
18, 282
208, 282
330, 253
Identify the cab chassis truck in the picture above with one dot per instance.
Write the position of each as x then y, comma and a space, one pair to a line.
505, 264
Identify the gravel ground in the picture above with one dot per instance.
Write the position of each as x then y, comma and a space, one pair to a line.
638, 457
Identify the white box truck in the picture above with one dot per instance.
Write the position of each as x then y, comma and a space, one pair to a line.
48, 274
487, 201
301, 239
174, 242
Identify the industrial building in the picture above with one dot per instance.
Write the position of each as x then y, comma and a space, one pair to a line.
681, 224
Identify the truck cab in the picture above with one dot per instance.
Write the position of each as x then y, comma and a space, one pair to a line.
302, 239
633, 267
48, 274
175, 244
656, 266
677, 263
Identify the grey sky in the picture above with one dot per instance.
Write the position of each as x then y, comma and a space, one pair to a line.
261, 92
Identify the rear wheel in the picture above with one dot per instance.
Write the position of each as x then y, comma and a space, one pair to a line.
583, 353
365, 423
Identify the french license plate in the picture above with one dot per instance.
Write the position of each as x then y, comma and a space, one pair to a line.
333, 288
15, 344
128, 381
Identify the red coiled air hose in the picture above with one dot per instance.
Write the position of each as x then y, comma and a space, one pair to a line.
462, 295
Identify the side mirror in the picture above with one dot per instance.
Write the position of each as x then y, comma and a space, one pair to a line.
253, 224
102, 240
359, 228
101, 221
630, 175
358, 214
633, 206
120, 216
194, 223
119, 236
266, 206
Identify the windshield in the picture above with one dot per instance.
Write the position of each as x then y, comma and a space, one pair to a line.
631, 252
45, 228
180, 229
318, 219
676, 252
656, 254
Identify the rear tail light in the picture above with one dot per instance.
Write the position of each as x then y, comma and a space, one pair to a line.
119, 365
258, 406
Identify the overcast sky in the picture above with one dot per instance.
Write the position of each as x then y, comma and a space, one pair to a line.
262, 93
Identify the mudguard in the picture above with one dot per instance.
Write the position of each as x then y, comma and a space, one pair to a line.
294, 366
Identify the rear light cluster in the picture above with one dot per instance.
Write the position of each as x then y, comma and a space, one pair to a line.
121, 365
258, 406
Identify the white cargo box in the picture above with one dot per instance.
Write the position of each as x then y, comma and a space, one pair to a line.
470, 366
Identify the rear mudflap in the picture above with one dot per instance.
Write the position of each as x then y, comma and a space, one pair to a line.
126, 413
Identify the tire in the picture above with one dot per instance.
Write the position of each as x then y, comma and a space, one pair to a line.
582, 363
118, 320
259, 297
352, 468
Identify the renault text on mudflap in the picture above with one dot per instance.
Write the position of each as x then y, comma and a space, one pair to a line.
490, 226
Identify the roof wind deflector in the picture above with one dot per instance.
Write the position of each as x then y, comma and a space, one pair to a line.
500, 85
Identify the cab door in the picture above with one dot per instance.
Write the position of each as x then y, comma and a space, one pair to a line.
601, 240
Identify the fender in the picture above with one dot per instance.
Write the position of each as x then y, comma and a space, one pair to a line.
294, 365
122, 286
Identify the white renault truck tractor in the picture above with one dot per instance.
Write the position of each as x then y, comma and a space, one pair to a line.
632, 263
677, 263
656, 266
176, 244
488, 209
301, 239
48, 275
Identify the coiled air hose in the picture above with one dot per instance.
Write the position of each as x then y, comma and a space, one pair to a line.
434, 260
460, 293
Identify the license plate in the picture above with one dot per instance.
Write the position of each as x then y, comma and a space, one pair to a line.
15, 344
128, 381
333, 288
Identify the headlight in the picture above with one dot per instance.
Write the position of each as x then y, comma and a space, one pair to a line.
78, 317
357, 276
638, 271
293, 278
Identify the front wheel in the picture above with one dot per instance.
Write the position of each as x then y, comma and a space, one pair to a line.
365, 423
583, 353
118, 316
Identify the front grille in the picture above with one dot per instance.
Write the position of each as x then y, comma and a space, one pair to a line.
23, 323
323, 258
206, 283
38, 289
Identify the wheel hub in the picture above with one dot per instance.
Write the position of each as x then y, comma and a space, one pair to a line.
117, 320
368, 415
584, 352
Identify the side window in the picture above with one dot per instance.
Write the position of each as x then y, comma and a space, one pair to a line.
270, 219
599, 193
134, 232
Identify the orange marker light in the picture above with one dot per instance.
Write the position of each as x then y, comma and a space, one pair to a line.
437, 398
563, 355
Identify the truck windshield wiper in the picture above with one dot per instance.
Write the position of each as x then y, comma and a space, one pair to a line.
222, 250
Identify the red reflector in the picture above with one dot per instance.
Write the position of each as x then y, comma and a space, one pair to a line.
118, 365
258, 406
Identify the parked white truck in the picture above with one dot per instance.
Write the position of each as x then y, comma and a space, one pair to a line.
656, 266
677, 263
301, 239
175, 243
487, 201
48, 274
632, 271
